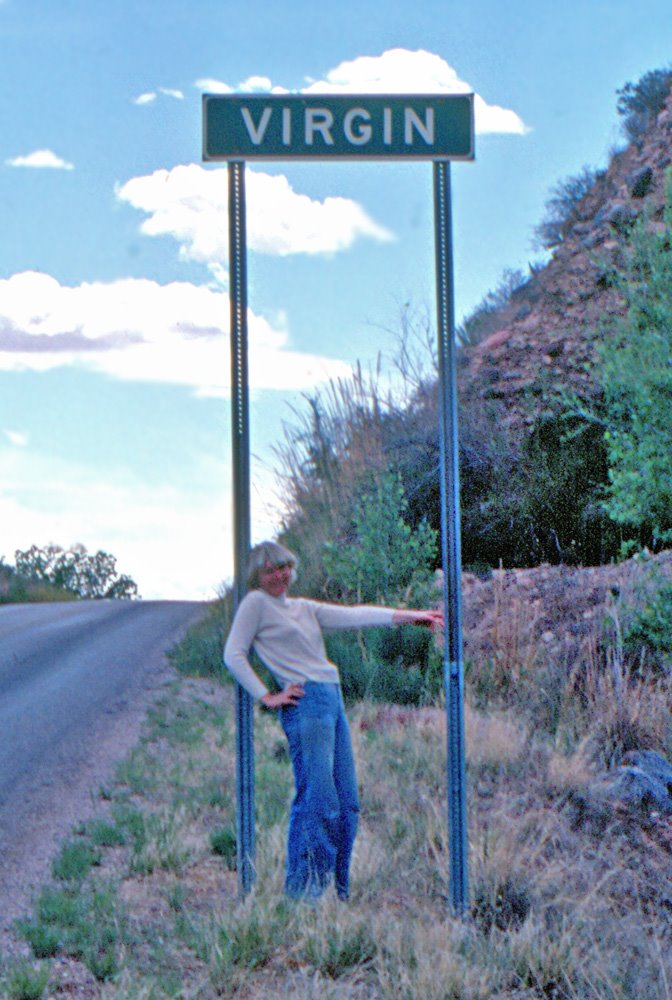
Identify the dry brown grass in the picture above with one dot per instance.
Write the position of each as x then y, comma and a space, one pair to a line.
570, 896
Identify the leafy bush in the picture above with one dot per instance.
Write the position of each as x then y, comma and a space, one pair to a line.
640, 103
636, 378
649, 625
531, 499
524, 499
373, 665
384, 560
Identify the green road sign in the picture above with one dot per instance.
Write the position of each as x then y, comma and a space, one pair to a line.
343, 127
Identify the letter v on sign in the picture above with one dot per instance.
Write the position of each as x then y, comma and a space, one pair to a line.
256, 132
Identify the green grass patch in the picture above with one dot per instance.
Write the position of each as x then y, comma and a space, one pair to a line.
85, 922
105, 833
24, 981
199, 653
75, 860
223, 843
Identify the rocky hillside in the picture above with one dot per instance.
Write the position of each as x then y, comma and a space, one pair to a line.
543, 334
560, 614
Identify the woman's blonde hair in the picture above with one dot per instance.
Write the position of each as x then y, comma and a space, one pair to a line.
268, 552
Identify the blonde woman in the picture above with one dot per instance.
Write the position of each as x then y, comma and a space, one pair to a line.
286, 634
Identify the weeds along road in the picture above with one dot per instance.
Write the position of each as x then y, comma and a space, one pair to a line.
75, 682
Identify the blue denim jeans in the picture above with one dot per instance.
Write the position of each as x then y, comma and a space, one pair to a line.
325, 810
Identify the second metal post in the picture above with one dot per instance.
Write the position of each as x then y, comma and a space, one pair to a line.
450, 540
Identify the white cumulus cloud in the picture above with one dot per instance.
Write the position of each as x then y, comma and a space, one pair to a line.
149, 96
139, 330
253, 84
210, 85
17, 438
398, 71
41, 159
190, 204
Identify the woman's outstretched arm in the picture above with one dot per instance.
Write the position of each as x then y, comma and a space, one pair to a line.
429, 618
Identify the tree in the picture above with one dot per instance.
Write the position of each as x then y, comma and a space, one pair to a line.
636, 376
384, 560
76, 571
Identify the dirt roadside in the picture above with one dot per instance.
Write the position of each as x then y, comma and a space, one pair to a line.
58, 807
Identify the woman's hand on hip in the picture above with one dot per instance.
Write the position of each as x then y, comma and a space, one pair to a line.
289, 696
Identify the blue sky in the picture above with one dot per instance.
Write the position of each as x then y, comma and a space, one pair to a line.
114, 423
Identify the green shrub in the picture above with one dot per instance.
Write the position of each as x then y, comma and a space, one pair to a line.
539, 499
199, 652
636, 380
401, 666
383, 559
223, 842
651, 624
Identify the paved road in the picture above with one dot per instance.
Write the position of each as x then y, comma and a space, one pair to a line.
75, 680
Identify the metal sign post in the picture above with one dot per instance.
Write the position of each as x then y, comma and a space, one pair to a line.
239, 127
240, 439
450, 540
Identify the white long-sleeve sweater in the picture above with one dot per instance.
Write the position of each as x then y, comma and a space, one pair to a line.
286, 633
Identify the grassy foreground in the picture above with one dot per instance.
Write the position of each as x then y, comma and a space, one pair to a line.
570, 898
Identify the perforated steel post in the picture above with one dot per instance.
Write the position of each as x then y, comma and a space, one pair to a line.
450, 540
240, 439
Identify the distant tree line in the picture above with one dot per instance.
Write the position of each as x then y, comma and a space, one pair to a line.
53, 573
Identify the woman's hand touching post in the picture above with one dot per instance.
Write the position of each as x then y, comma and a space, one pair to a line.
289, 696
430, 618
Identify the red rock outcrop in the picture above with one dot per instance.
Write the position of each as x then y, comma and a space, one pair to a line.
545, 332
